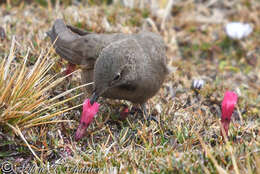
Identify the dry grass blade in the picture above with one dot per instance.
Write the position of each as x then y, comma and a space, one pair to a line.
18, 132
231, 150
248, 163
257, 161
213, 159
9, 60
24, 100
47, 117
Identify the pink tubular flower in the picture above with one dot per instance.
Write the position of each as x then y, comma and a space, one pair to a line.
88, 113
227, 108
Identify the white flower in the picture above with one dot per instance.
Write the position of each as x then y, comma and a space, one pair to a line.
198, 83
238, 30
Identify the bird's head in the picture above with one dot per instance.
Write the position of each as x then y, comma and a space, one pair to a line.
114, 69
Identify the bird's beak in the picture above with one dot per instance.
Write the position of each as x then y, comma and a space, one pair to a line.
94, 98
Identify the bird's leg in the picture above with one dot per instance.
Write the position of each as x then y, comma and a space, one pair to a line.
148, 117
70, 68
124, 113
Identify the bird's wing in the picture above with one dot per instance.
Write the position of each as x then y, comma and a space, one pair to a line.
68, 42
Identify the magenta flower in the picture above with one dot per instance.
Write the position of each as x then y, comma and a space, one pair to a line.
227, 108
88, 113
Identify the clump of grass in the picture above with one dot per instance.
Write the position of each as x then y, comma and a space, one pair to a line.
24, 99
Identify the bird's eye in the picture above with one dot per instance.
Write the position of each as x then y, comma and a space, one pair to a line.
117, 77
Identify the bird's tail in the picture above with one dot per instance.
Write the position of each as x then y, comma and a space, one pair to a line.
66, 40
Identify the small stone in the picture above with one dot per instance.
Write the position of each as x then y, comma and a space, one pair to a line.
2, 33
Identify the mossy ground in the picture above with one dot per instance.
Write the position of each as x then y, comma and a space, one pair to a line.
199, 49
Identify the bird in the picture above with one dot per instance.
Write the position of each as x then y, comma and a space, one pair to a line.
129, 67
80, 47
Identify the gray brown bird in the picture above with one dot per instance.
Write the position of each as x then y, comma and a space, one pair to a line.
123, 66
80, 47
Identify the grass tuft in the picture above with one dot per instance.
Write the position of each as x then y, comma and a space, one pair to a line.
24, 98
